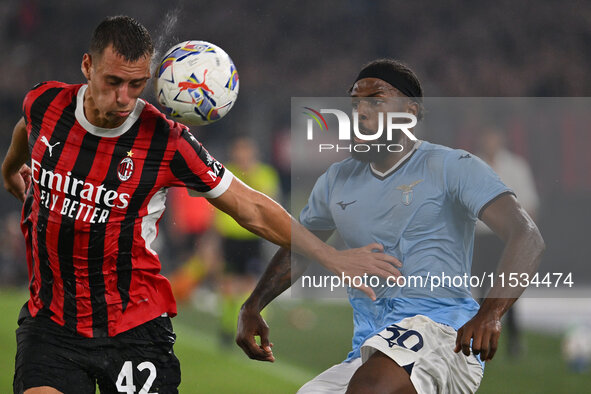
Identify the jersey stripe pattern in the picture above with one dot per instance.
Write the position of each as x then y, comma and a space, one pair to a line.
93, 210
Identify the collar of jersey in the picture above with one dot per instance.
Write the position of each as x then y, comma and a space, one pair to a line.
400, 163
101, 131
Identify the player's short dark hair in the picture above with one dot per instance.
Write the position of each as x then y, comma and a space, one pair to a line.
129, 38
398, 75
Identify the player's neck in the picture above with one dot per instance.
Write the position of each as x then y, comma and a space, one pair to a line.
394, 158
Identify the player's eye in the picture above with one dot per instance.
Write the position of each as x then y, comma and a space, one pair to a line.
113, 81
370, 102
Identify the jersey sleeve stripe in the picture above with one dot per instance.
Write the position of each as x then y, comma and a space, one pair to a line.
181, 170
221, 187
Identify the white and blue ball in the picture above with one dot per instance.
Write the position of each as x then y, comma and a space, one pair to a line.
196, 83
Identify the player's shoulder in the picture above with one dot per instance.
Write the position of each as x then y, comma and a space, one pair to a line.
43, 87
49, 91
152, 114
441, 154
436, 150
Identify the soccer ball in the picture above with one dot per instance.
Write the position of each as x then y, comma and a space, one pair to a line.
196, 83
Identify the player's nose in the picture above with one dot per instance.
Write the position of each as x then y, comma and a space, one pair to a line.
363, 110
122, 95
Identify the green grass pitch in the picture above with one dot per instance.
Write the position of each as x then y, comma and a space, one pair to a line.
308, 338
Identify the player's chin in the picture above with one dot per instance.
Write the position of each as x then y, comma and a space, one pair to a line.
364, 157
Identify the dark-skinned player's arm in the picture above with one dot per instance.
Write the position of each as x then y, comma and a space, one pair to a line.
523, 249
275, 280
264, 217
15, 172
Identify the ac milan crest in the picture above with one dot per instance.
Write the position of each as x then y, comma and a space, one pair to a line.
125, 169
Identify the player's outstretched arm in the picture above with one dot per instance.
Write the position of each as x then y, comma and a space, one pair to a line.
264, 217
16, 174
523, 249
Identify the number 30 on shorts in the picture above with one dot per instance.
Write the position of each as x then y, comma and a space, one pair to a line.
125, 378
400, 336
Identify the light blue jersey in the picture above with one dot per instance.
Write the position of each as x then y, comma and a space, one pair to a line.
423, 211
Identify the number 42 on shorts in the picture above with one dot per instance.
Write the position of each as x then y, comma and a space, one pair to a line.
125, 378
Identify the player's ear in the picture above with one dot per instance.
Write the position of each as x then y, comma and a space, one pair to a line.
412, 107
86, 65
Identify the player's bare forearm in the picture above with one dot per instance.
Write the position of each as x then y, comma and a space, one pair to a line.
523, 250
15, 174
257, 213
274, 281
278, 275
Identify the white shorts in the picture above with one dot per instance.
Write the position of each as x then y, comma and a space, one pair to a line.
416, 341
332, 381
428, 348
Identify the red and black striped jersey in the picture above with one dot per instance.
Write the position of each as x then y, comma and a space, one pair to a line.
93, 209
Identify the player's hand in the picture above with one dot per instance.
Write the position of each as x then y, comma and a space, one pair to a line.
484, 331
25, 173
369, 260
250, 325
18, 183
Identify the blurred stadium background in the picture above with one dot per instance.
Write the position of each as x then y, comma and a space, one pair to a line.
315, 48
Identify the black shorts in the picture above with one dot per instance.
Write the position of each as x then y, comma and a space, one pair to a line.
51, 355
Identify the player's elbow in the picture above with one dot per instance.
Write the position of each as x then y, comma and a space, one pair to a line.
5, 174
533, 240
540, 243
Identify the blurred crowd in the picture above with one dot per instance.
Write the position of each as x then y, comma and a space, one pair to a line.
314, 48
